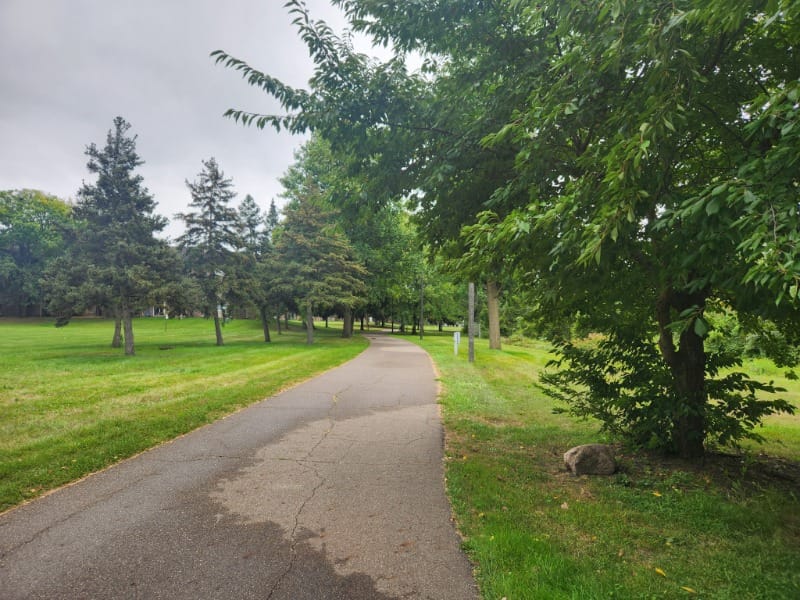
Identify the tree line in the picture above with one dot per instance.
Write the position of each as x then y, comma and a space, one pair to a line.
103, 252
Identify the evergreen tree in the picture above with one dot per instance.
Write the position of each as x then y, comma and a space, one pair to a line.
114, 259
271, 221
211, 238
252, 224
316, 264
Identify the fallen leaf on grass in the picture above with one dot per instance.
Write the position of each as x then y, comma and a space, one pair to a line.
565, 506
688, 590
657, 494
660, 572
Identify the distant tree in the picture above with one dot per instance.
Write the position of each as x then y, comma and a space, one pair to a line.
114, 259
211, 238
271, 221
316, 263
252, 223
380, 233
445, 295
32, 227
256, 263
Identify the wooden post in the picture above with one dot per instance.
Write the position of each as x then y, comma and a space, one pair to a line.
421, 309
471, 322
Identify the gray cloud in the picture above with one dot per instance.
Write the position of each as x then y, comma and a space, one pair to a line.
68, 67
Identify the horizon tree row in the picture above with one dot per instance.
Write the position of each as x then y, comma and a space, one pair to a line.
102, 252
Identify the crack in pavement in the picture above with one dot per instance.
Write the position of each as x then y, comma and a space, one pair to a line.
305, 463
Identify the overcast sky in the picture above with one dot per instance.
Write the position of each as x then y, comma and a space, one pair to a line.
68, 67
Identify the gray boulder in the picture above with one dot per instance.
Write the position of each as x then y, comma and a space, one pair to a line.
590, 459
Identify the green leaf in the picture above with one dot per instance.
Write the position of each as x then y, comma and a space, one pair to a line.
719, 189
700, 327
713, 206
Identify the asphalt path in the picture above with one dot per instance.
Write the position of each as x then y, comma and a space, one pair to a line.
332, 489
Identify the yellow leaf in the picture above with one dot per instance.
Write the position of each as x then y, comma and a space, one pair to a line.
657, 494
688, 589
661, 572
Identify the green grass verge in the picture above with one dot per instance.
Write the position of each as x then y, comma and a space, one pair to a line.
657, 529
70, 404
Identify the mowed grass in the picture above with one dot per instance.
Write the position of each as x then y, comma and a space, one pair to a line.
656, 529
70, 404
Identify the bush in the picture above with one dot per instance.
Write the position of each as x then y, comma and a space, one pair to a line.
626, 385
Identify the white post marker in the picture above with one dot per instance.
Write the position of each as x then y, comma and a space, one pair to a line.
456, 341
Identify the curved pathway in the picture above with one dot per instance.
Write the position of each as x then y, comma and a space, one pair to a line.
332, 489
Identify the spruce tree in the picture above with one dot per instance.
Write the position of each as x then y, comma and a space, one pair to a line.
316, 263
211, 237
114, 260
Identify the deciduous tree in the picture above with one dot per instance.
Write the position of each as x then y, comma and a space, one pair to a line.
32, 226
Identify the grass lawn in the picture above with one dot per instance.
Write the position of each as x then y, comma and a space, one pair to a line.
70, 404
656, 529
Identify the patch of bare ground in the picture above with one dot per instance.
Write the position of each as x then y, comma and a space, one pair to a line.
743, 473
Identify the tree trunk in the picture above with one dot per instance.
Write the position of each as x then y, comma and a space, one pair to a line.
218, 328
309, 325
471, 321
116, 341
127, 323
278, 324
690, 379
265, 324
441, 326
421, 311
493, 305
286, 321
687, 365
347, 325
362, 323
